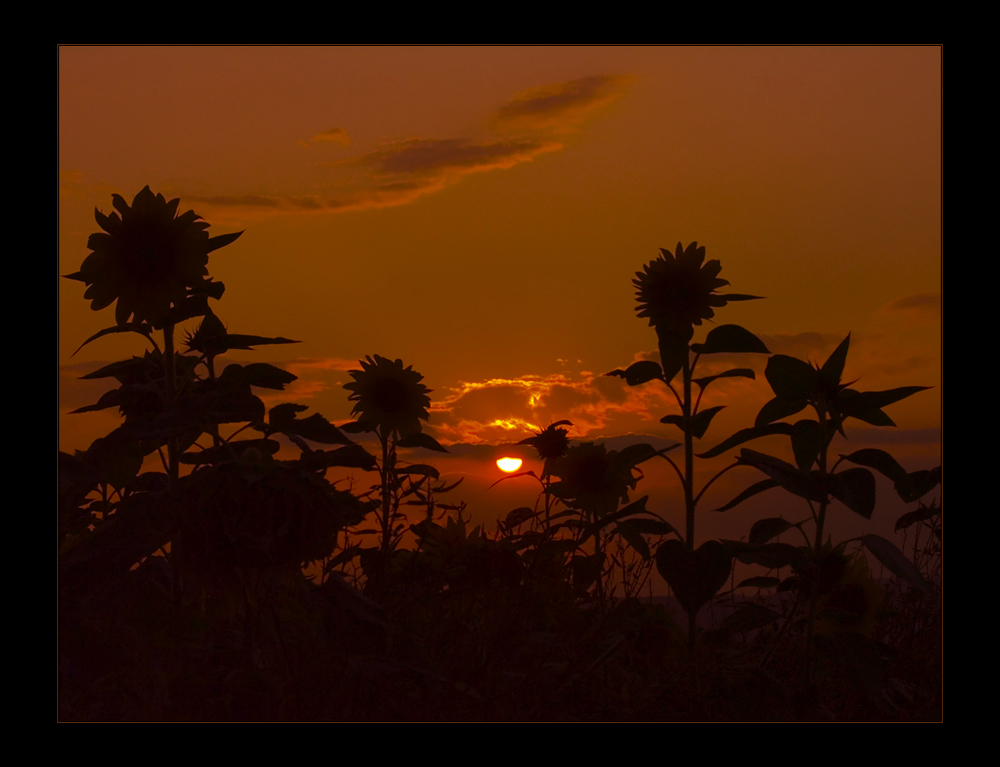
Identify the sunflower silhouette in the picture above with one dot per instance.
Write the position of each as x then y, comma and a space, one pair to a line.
388, 396
852, 606
592, 478
147, 259
677, 291
551, 444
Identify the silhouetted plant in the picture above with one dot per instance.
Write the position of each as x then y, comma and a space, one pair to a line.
676, 292
390, 402
154, 264
797, 385
551, 444
590, 483
239, 516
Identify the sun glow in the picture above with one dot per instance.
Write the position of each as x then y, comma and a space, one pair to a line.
509, 464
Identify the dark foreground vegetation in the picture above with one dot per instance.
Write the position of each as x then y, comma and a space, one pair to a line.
234, 586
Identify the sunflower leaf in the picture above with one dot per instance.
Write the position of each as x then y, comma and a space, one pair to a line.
420, 468
142, 328
918, 515
855, 488
757, 487
806, 443
633, 537
879, 460
764, 530
639, 372
833, 368
736, 372
701, 422
731, 339
779, 408
673, 354
420, 439
745, 435
268, 376
315, 428
221, 240
886, 553
793, 479
791, 378
918, 484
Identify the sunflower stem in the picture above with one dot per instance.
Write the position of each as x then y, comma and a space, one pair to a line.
688, 458
817, 548
169, 371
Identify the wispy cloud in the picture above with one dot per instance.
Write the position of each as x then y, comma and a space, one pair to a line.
923, 306
401, 172
433, 157
332, 136
561, 107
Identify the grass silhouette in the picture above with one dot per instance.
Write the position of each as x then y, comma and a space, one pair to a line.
184, 595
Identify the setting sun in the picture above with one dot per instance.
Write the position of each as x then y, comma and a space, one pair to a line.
509, 464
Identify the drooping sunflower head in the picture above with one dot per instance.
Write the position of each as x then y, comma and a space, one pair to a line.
389, 396
147, 258
592, 478
677, 290
551, 442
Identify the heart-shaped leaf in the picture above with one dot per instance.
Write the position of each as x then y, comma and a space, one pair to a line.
694, 576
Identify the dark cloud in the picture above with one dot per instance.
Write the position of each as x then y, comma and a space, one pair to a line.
401, 172
927, 306
561, 106
432, 156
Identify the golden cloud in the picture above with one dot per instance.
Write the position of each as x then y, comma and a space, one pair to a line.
510, 409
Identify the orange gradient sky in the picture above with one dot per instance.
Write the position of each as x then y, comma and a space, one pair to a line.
480, 214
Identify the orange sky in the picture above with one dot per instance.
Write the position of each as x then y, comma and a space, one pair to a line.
480, 213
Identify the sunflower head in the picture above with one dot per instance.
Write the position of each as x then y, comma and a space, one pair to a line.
592, 478
389, 396
852, 605
551, 442
677, 290
147, 259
